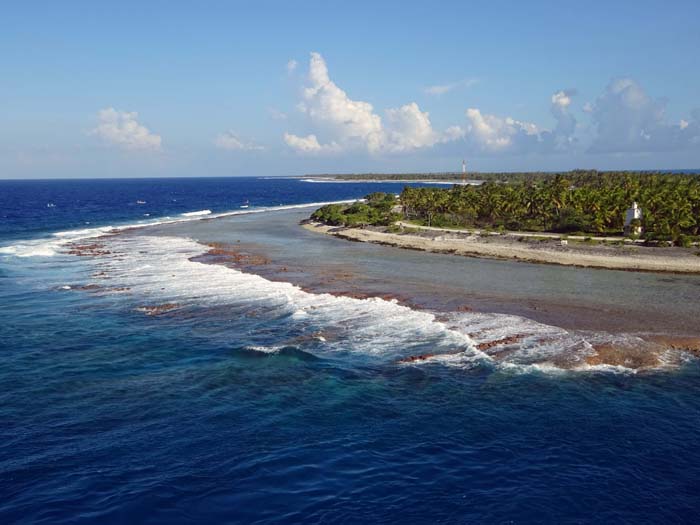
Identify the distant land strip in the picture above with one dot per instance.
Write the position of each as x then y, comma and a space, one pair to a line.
514, 176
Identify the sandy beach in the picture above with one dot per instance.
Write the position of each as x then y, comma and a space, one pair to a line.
548, 251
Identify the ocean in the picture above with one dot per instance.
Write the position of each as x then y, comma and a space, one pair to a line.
143, 381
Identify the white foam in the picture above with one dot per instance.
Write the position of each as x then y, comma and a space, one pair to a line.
199, 213
373, 327
49, 247
54, 244
264, 349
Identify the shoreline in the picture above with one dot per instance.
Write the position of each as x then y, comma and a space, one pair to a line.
634, 351
627, 258
638, 350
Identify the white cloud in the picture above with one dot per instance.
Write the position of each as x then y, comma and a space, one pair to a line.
441, 89
626, 119
409, 128
309, 144
353, 125
230, 141
120, 128
566, 122
506, 135
276, 114
353, 122
562, 98
494, 134
291, 66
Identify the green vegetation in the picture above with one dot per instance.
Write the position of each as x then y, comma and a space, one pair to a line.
586, 202
485, 176
375, 211
577, 202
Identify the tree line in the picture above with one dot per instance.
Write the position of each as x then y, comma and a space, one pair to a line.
378, 209
588, 202
523, 176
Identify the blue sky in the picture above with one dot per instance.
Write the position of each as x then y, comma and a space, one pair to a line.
99, 89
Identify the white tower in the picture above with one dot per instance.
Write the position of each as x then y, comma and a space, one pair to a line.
633, 213
464, 171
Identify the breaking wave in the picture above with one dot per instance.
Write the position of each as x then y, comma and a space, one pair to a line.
196, 213
49, 247
161, 271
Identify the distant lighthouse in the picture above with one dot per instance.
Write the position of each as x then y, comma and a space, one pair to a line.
464, 171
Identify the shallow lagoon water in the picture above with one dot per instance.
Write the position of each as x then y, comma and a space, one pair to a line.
225, 410
571, 297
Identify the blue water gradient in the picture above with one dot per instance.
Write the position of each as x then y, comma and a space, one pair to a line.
32, 208
111, 416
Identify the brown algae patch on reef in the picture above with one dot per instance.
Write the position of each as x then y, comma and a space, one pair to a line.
628, 357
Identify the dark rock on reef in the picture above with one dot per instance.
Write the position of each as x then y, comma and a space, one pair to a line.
87, 250
511, 339
158, 309
415, 358
228, 255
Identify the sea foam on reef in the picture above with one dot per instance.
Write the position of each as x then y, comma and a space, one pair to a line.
163, 270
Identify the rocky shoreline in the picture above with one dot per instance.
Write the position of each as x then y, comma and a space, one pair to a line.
533, 250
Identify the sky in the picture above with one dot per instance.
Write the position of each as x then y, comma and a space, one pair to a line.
243, 88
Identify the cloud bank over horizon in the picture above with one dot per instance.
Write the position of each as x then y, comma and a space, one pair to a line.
623, 119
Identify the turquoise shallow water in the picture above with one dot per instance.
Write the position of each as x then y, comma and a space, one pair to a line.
254, 401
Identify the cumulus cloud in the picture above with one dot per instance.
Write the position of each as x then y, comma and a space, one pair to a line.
231, 141
566, 122
349, 124
122, 129
352, 122
441, 89
494, 134
292, 65
409, 128
309, 144
626, 119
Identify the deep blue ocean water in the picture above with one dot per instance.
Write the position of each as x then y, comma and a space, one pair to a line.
108, 415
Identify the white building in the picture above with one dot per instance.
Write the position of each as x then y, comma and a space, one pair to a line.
633, 213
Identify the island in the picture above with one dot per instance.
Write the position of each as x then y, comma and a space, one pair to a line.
617, 220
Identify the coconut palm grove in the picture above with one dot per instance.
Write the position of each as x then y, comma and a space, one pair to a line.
581, 201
